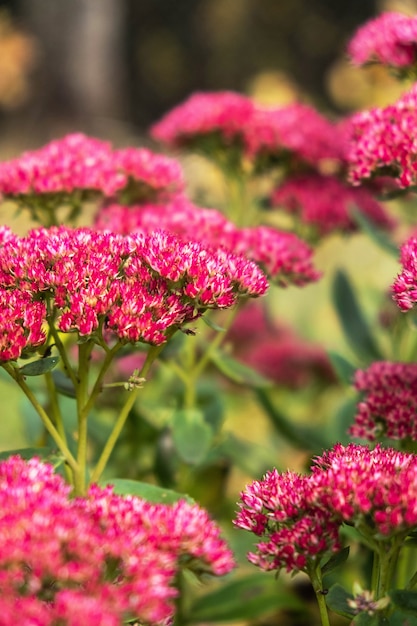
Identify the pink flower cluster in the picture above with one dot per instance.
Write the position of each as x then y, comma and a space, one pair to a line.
325, 203
276, 352
391, 39
95, 560
80, 164
383, 142
295, 132
389, 407
283, 256
298, 516
375, 489
405, 285
138, 287
280, 509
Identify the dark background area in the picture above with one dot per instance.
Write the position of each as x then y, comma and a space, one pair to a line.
112, 67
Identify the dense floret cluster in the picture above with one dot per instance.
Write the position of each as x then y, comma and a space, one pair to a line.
389, 406
390, 39
101, 559
139, 287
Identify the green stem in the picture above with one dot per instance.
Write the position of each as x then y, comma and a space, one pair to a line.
317, 582
123, 415
60, 442
63, 353
98, 385
84, 354
57, 415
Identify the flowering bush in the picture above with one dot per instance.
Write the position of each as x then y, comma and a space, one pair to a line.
121, 336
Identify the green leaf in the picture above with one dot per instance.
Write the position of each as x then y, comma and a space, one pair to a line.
39, 367
238, 372
364, 619
192, 435
337, 599
63, 384
150, 493
335, 560
344, 369
213, 325
352, 319
301, 437
245, 599
405, 600
378, 236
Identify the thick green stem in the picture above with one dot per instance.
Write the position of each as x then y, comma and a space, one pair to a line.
63, 354
57, 415
317, 582
98, 385
52, 430
123, 415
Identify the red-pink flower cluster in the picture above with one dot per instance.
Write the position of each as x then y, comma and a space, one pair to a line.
275, 351
95, 560
389, 407
80, 164
325, 203
279, 509
296, 132
224, 112
139, 287
405, 285
383, 141
391, 39
373, 489
298, 517
283, 256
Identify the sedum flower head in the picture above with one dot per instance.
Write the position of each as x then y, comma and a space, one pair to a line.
324, 203
77, 164
100, 559
374, 490
284, 257
390, 39
139, 287
383, 142
223, 113
295, 533
389, 405
405, 285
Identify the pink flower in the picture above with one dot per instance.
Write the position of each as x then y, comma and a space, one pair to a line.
292, 135
324, 203
383, 142
294, 532
100, 559
139, 287
76, 166
223, 113
391, 39
390, 405
284, 257
375, 489
405, 285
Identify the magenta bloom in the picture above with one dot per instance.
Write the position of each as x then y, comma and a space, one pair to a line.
284, 257
405, 285
81, 165
295, 533
324, 203
222, 113
293, 134
389, 407
139, 287
95, 560
375, 488
390, 39
383, 142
